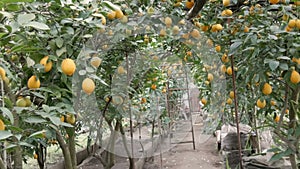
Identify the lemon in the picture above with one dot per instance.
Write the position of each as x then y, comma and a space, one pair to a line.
231, 94
96, 61
229, 71
111, 15
267, 89
121, 70
153, 86
35, 156
168, 21
204, 28
218, 48
47, 65
119, 14
195, 34
62, 118
71, 118
261, 104
175, 30
68, 66
298, 23
223, 69
21, 102
273, 102
189, 4
277, 118
88, 86
28, 101
143, 100
210, 77
295, 77
246, 29
226, 2
2, 125
203, 101
296, 60
103, 20
273, 1
225, 58
117, 100
162, 32
2, 73
292, 23
229, 101
33, 82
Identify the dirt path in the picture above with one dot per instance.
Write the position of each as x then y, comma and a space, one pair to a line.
183, 156
177, 156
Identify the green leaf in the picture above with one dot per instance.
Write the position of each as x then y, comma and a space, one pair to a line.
59, 42
5, 134
25, 18
273, 64
8, 113
277, 156
14, 1
59, 52
35, 120
38, 134
234, 46
38, 25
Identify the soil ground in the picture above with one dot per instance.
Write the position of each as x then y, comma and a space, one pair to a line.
176, 156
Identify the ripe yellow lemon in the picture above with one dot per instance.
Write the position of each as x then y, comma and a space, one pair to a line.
119, 14
88, 86
2, 73
298, 22
111, 15
153, 86
162, 32
68, 66
296, 60
277, 118
229, 101
96, 61
273, 1
261, 104
47, 65
121, 70
203, 101
267, 89
168, 21
246, 29
210, 77
223, 69
195, 34
273, 102
189, 4
292, 23
143, 100
229, 71
2, 125
33, 82
175, 30
225, 58
231, 94
62, 118
295, 77
226, 2
218, 48
35, 156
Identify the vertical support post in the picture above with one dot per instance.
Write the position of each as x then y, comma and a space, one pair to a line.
189, 104
236, 112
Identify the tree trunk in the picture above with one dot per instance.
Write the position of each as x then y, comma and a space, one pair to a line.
65, 150
292, 124
72, 146
17, 153
2, 164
